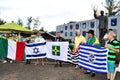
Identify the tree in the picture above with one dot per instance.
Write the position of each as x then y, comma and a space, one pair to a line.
53, 33
20, 22
2, 22
112, 6
42, 29
29, 19
36, 23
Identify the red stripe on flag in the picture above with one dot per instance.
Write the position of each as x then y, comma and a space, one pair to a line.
20, 51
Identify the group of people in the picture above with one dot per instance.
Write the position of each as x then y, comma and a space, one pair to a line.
111, 43
92, 40
110, 37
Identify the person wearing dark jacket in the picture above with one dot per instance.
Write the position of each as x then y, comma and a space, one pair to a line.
58, 38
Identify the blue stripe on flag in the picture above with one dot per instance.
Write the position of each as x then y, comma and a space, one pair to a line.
101, 59
35, 44
93, 50
98, 55
87, 45
100, 72
83, 56
100, 68
94, 62
37, 55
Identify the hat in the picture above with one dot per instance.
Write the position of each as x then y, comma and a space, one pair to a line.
91, 32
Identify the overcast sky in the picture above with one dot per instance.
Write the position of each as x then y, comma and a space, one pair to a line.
50, 12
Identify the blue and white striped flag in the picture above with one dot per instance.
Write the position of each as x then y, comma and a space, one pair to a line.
35, 50
93, 59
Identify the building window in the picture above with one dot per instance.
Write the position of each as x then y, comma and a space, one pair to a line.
71, 34
76, 33
71, 27
84, 33
65, 34
92, 24
61, 31
77, 26
114, 22
65, 27
84, 25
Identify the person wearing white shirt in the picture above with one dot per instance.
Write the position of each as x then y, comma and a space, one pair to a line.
39, 39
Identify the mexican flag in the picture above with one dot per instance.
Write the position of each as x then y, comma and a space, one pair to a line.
11, 49
57, 50
16, 50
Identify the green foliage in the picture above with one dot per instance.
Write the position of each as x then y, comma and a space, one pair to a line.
113, 7
2, 22
29, 19
36, 22
20, 22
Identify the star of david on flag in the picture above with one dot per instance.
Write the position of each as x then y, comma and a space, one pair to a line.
35, 50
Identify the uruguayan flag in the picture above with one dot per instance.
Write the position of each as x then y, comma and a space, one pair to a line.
35, 50
93, 59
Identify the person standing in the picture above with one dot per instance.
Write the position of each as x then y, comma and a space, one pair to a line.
58, 39
7, 59
93, 41
114, 47
79, 39
105, 38
39, 39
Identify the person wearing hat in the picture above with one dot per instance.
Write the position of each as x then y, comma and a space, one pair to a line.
93, 41
39, 39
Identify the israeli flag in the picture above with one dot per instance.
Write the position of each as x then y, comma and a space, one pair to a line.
93, 59
35, 50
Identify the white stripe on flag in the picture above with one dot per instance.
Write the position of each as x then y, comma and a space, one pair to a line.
35, 50
93, 59
11, 50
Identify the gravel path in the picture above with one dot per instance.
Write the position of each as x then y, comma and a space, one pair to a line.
21, 71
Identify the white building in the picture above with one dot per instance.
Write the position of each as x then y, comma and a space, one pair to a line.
68, 31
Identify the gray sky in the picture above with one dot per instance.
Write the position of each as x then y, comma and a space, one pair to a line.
50, 12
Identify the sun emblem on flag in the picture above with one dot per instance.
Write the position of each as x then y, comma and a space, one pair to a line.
36, 50
91, 58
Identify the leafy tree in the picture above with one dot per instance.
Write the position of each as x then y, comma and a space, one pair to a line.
29, 19
36, 23
20, 22
112, 6
2, 22
53, 33
42, 29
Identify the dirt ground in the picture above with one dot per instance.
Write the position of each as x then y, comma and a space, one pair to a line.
21, 71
